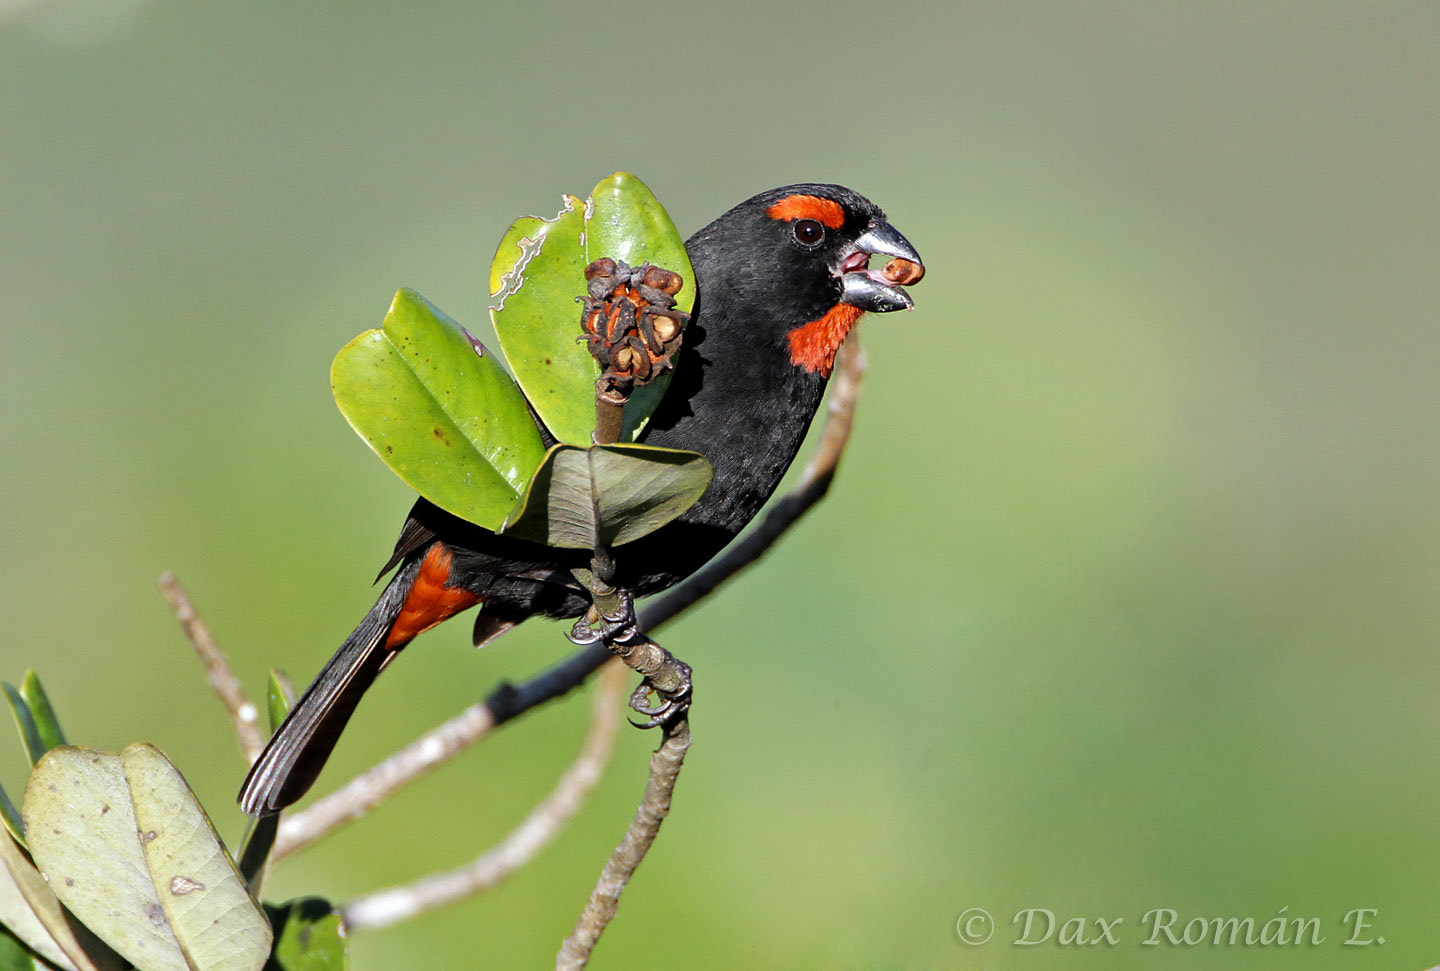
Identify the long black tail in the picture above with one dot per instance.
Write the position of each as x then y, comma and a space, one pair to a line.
298, 750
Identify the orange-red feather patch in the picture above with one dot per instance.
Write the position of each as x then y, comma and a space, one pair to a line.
814, 345
430, 601
826, 212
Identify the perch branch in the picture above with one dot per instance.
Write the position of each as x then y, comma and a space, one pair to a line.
431, 750
384, 907
604, 900
243, 713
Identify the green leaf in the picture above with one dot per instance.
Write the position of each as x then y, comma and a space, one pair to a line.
610, 494
628, 223
14, 957
439, 410
170, 899
14, 825
255, 853
88, 955
209, 908
30, 735
279, 698
22, 923
309, 936
44, 715
539, 270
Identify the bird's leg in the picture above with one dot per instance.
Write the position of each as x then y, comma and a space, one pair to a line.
664, 675
596, 624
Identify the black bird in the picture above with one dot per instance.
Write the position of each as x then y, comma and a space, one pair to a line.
780, 280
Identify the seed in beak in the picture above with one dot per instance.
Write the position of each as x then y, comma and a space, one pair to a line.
903, 272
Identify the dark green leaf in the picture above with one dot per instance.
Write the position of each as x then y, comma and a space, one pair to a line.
14, 825
610, 494
25, 722
45, 721
539, 270
255, 853
14, 957
439, 410
309, 936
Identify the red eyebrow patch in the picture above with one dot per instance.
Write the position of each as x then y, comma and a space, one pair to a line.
826, 212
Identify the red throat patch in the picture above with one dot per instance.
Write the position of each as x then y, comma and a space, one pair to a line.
826, 212
814, 345
430, 601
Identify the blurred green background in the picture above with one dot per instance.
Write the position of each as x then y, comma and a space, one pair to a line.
1125, 598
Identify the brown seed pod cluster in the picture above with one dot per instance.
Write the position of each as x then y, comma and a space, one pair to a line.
903, 272
630, 320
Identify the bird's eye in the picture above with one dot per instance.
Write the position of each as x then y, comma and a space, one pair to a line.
808, 232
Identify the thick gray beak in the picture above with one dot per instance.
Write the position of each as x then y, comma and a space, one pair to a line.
874, 290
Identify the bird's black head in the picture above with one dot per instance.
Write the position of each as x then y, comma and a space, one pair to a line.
795, 262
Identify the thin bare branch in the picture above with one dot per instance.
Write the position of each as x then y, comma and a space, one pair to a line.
384, 907
243, 713
366, 791
604, 900
431, 750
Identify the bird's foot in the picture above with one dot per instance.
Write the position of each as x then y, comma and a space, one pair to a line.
672, 688
665, 677
596, 625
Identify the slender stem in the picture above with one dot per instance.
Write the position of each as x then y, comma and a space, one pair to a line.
604, 900
431, 750
384, 907
243, 713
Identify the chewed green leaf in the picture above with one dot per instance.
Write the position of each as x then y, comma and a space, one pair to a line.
439, 410
610, 494
539, 270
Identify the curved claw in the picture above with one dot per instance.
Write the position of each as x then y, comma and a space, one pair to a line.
670, 708
621, 627
640, 695
583, 634
664, 717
